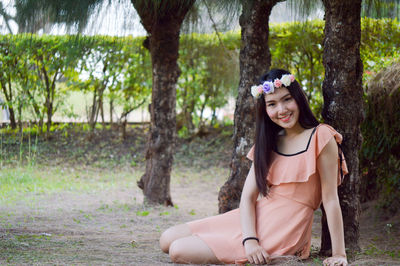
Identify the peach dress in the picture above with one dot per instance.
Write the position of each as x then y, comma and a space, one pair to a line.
283, 218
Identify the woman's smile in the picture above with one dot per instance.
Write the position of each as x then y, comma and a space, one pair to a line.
286, 118
282, 109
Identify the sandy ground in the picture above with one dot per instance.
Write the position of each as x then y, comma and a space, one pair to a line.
112, 227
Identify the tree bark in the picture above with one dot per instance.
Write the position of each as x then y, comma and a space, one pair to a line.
9, 100
255, 59
343, 105
13, 123
163, 27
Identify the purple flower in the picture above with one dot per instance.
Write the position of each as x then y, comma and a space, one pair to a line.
268, 87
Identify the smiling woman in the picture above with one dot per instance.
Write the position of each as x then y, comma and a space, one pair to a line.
295, 167
282, 108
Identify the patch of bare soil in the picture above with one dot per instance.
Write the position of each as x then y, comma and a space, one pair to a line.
113, 227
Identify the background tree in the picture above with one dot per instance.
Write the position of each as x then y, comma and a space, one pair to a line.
343, 98
8, 73
162, 21
255, 59
34, 15
209, 65
343, 101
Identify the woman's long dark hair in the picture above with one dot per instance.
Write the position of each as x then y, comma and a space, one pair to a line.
267, 131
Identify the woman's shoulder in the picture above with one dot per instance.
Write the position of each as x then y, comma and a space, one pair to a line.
324, 133
325, 129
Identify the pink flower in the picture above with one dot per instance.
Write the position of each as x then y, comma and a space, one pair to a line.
291, 77
256, 91
277, 83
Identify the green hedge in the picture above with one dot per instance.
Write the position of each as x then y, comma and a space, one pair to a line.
117, 70
110, 69
40, 71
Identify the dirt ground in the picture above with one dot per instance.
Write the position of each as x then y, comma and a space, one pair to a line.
111, 226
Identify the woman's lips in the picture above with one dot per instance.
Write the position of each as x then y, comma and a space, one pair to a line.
286, 118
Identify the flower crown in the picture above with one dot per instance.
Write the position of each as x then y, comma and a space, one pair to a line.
269, 87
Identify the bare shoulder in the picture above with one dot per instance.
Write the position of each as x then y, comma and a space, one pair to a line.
330, 149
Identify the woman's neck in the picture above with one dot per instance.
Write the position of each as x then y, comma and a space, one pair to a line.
294, 131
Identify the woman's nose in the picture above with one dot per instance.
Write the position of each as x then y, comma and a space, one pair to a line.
281, 108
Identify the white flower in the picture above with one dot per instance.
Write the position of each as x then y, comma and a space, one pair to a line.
286, 80
255, 91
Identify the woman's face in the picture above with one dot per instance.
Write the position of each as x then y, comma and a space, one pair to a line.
282, 108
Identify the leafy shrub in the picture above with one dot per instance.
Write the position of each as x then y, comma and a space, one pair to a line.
380, 156
298, 47
117, 70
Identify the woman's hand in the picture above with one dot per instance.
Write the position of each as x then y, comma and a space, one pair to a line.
255, 253
335, 261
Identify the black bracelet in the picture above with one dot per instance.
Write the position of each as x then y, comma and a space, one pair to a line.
248, 238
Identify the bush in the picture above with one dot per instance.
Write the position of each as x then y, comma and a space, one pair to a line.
117, 70
380, 156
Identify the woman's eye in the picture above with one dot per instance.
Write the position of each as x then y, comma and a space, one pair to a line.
270, 104
288, 99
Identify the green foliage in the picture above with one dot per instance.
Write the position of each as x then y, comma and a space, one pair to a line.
298, 47
380, 45
35, 69
117, 70
209, 76
380, 156
32, 66
381, 9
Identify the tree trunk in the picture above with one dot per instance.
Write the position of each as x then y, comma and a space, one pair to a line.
111, 112
49, 107
123, 129
93, 109
9, 100
255, 59
163, 27
343, 105
103, 121
48, 101
20, 116
13, 123
49, 116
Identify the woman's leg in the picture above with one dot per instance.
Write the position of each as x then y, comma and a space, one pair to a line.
172, 234
191, 249
183, 247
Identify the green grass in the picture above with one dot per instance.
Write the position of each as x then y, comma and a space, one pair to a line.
373, 250
38, 249
32, 165
26, 182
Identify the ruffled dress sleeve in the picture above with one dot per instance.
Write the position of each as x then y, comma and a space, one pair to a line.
298, 167
250, 154
324, 134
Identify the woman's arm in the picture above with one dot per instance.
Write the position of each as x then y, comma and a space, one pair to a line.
254, 252
327, 164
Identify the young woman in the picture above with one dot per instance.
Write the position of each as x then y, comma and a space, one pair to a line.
296, 165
